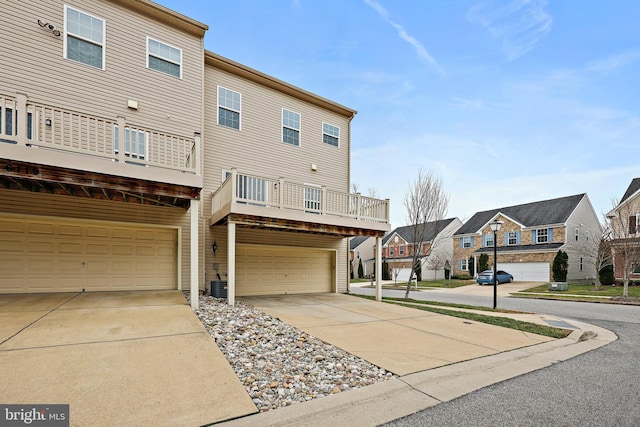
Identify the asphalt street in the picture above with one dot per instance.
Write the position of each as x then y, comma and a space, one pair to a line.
599, 388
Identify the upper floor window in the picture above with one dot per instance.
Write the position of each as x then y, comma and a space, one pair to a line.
390, 250
229, 103
466, 242
513, 238
542, 235
290, 127
330, 134
488, 240
84, 38
164, 58
587, 235
401, 252
633, 224
577, 234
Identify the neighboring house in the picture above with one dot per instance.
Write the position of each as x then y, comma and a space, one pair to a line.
625, 229
436, 251
131, 158
530, 238
362, 250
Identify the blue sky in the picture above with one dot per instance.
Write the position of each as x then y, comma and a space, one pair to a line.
507, 102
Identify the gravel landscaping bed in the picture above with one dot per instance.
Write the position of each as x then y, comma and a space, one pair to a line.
278, 364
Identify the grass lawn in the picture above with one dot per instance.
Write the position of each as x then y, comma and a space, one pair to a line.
425, 284
590, 290
505, 322
360, 280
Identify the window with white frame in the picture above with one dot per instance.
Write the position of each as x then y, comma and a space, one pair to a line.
390, 250
312, 198
542, 235
290, 127
330, 134
464, 264
164, 58
587, 235
488, 240
401, 250
466, 241
577, 234
581, 263
229, 104
512, 238
135, 142
84, 36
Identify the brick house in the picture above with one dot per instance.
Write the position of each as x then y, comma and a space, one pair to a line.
530, 238
624, 220
398, 249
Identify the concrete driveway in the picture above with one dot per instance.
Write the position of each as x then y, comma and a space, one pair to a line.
117, 358
401, 340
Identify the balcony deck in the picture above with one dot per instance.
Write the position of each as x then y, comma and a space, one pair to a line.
36, 133
263, 201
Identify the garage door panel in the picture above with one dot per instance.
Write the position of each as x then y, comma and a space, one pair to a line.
41, 255
527, 271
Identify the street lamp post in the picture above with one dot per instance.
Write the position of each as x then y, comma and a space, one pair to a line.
495, 226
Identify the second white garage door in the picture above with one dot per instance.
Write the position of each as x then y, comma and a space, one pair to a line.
270, 270
526, 271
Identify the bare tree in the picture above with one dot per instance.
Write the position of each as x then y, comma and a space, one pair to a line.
425, 202
625, 243
436, 262
596, 249
355, 188
373, 193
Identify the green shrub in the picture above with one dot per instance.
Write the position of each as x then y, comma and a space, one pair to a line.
483, 262
606, 275
360, 270
560, 267
471, 266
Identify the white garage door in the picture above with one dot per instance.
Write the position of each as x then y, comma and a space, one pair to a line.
270, 270
527, 271
403, 274
42, 255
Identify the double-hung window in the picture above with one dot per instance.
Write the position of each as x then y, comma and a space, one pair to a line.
542, 235
290, 127
229, 104
135, 143
330, 134
401, 250
84, 36
390, 250
466, 242
464, 264
512, 238
164, 58
488, 240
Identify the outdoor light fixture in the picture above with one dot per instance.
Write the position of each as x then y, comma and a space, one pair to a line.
495, 226
214, 247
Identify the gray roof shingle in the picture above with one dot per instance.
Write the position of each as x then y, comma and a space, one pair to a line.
633, 187
406, 232
554, 211
357, 241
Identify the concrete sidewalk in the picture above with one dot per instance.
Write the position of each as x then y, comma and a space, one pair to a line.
438, 358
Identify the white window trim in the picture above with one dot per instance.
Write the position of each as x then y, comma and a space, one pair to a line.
464, 264
577, 234
104, 37
289, 127
466, 240
323, 133
515, 238
227, 108
486, 240
123, 144
164, 59
546, 235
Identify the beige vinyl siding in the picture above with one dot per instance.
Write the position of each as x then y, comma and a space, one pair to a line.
274, 238
63, 207
36, 66
258, 148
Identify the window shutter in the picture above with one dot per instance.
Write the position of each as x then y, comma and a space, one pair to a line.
461, 242
506, 238
533, 236
550, 235
632, 224
484, 240
517, 237
460, 264
472, 241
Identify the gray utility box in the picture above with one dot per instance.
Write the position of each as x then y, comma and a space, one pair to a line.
219, 288
558, 286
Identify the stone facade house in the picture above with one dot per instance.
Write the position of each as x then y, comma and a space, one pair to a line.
530, 238
624, 220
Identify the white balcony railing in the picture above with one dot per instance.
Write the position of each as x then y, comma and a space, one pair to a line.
282, 194
34, 124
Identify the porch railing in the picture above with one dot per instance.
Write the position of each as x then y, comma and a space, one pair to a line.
35, 124
283, 194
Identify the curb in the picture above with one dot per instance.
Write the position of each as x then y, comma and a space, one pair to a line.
406, 395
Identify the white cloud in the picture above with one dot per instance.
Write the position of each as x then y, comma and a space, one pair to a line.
614, 62
519, 25
404, 35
